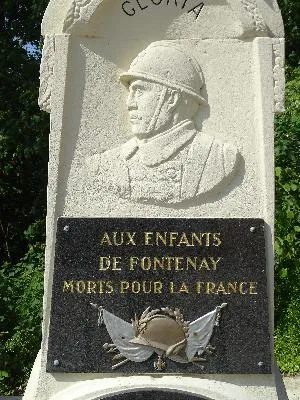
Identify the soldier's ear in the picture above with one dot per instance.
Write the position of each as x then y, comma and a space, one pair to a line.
174, 96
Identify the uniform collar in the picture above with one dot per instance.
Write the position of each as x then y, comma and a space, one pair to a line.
161, 147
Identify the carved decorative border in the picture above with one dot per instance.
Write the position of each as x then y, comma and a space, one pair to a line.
80, 11
252, 9
73, 13
278, 75
46, 73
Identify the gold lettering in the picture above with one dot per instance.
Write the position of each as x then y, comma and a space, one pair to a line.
226, 288
135, 287
184, 240
221, 288
91, 286
157, 287
232, 286
215, 262
217, 241
109, 287
253, 288
241, 288
170, 259
105, 239
118, 239
124, 286
148, 238
197, 238
68, 286
159, 263
117, 235
173, 237
178, 261
104, 263
147, 286
171, 287
207, 241
107, 262
160, 237
130, 237
183, 288
133, 262
199, 286
191, 262
174, 263
116, 261
146, 263
80, 286
210, 287
101, 286
204, 264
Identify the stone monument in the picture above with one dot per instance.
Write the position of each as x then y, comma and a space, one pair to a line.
159, 256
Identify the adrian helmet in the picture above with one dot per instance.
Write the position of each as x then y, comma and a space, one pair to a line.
161, 332
168, 65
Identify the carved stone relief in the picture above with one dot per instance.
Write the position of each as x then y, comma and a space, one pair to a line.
46, 73
80, 11
278, 75
252, 9
249, 12
166, 160
251, 17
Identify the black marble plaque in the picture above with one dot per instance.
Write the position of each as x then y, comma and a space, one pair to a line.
126, 265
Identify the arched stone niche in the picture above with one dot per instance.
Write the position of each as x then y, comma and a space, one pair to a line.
118, 20
240, 18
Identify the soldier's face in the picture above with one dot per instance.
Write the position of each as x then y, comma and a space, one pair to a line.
147, 108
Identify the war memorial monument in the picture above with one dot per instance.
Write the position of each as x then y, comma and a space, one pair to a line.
159, 257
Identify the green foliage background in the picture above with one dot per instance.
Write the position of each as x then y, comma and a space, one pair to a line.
24, 133
287, 226
23, 176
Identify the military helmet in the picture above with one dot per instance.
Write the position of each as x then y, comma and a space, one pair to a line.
168, 65
161, 332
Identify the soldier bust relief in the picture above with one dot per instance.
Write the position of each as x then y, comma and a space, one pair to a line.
167, 160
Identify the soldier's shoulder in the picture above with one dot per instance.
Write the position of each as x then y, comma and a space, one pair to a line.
116, 154
230, 156
228, 150
102, 160
227, 146
213, 160
214, 140
104, 155
230, 153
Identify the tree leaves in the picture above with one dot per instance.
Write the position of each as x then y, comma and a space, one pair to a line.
23, 128
290, 10
287, 227
23, 179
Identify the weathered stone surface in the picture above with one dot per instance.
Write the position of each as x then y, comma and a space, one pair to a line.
206, 152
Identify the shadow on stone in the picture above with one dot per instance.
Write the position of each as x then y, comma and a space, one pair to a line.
280, 387
156, 394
